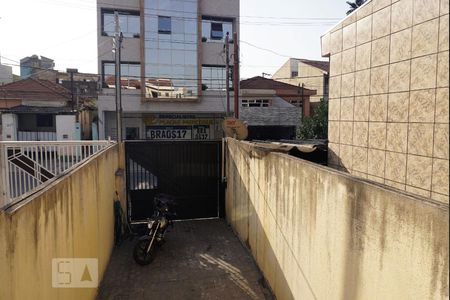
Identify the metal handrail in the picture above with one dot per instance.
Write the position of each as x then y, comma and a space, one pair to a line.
26, 167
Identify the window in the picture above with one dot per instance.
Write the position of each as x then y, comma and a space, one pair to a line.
132, 133
326, 85
297, 103
130, 75
256, 103
213, 78
44, 120
164, 25
129, 22
171, 53
294, 74
215, 29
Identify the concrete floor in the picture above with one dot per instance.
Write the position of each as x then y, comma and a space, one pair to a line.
200, 260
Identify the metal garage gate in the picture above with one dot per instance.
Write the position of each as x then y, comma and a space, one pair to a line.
190, 171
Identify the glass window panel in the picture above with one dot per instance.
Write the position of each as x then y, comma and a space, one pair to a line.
190, 7
177, 26
216, 31
190, 39
150, 44
134, 25
151, 23
164, 25
172, 60
151, 70
206, 30
228, 27
191, 47
177, 38
135, 70
164, 45
190, 72
129, 75
150, 57
108, 24
190, 57
164, 71
164, 37
165, 57
123, 21
129, 24
166, 5
178, 71
151, 4
190, 27
178, 57
109, 69
214, 78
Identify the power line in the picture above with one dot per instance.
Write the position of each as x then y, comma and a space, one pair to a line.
325, 21
265, 49
230, 16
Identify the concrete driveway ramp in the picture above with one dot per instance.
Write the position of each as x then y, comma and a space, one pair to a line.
200, 260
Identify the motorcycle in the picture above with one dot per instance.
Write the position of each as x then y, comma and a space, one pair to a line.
144, 250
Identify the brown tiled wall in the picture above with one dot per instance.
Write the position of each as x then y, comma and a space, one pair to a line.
389, 97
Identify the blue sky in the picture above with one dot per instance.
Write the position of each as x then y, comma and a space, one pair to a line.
65, 30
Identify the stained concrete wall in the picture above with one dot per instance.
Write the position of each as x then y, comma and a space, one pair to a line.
317, 233
73, 218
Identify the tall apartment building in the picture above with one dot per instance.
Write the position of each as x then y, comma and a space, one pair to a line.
173, 67
33, 64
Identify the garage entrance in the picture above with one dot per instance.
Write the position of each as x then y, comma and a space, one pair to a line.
188, 170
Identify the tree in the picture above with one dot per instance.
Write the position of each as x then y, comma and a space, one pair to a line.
354, 5
315, 127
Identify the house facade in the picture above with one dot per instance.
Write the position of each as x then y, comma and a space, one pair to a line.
312, 74
389, 101
36, 110
272, 110
173, 75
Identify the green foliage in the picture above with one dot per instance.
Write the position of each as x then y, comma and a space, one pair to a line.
354, 5
315, 127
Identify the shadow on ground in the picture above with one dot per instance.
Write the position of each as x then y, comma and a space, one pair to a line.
200, 260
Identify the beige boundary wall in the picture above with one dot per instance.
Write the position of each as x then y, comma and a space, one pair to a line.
73, 218
317, 233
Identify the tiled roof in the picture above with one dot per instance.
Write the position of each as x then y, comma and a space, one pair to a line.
261, 83
23, 109
34, 90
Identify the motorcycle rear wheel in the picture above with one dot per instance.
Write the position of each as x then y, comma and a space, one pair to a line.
140, 255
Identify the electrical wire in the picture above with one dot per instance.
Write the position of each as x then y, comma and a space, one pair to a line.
313, 21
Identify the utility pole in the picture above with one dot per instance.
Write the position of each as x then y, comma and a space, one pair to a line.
117, 49
227, 54
303, 101
236, 75
74, 105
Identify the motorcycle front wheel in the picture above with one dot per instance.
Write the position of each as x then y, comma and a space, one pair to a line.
140, 254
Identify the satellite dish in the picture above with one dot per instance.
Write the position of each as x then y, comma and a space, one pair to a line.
235, 128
